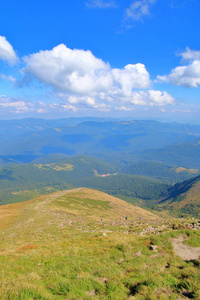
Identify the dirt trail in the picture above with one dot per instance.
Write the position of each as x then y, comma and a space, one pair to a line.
184, 251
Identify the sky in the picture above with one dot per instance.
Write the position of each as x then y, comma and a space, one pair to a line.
105, 58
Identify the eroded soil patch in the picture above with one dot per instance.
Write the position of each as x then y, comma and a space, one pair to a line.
184, 251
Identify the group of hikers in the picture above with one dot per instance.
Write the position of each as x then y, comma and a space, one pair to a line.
121, 218
126, 218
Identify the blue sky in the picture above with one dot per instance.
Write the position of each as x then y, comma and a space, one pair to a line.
106, 58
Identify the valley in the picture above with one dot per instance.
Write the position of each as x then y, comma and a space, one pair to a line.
121, 222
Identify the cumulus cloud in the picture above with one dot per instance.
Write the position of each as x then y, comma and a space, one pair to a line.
150, 98
138, 9
187, 76
132, 76
190, 55
75, 71
6, 51
100, 3
80, 72
83, 81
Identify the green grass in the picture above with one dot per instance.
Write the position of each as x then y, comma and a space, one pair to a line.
51, 255
69, 202
194, 238
72, 264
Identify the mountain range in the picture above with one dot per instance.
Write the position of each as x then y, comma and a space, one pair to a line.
23, 141
152, 164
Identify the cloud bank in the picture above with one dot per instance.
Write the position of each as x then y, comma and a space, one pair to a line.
80, 79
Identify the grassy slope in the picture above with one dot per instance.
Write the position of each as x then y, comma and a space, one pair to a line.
55, 247
184, 197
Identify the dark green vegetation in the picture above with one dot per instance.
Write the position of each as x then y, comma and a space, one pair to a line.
159, 171
22, 182
127, 185
48, 252
26, 181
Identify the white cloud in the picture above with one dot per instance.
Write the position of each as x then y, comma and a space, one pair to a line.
78, 72
150, 98
187, 76
8, 78
190, 55
138, 9
6, 51
67, 106
83, 81
101, 3
132, 76
41, 110
75, 71
124, 108
14, 105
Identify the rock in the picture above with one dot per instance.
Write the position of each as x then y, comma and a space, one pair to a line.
103, 279
93, 293
138, 254
154, 248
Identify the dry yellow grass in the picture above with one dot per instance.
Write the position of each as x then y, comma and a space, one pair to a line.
10, 213
117, 208
181, 169
88, 204
56, 167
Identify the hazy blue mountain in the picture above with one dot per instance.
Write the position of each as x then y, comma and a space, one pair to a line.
179, 154
23, 141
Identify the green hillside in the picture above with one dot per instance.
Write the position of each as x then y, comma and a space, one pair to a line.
184, 198
159, 171
179, 154
128, 186
26, 181
73, 245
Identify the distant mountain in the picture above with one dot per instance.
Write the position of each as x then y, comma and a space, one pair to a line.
159, 171
23, 141
179, 154
183, 198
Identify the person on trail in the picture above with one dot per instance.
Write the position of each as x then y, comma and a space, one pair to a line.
120, 218
126, 217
